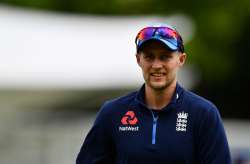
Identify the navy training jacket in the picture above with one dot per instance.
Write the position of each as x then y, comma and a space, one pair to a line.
188, 130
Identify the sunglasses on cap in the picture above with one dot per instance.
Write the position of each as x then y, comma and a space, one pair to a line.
169, 36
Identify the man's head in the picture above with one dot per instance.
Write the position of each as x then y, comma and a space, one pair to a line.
160, 53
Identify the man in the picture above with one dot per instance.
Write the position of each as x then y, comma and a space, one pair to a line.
161, 123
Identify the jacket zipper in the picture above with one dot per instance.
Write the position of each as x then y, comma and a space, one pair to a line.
155, 118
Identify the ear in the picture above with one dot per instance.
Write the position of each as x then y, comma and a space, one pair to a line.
182, 58
138, 59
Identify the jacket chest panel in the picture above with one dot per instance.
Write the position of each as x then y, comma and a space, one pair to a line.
135, 141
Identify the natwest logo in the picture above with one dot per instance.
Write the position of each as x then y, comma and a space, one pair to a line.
129, 118
129, 121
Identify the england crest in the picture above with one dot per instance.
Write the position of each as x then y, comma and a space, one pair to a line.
181, 122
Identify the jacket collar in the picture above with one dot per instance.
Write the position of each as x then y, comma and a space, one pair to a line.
176, 98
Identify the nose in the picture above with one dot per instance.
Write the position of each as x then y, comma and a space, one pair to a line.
157, 64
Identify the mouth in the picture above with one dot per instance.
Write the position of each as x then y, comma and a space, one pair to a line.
158, 74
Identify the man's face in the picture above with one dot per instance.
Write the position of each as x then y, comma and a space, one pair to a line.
159, 65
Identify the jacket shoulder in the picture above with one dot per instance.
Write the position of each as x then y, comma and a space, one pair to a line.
111, 105
196, 101
200, 106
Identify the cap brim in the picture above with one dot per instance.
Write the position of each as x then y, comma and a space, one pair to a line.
167, 43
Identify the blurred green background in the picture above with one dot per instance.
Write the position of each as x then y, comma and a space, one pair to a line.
219, 50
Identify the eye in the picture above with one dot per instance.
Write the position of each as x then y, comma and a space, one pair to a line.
148, 56
165, 57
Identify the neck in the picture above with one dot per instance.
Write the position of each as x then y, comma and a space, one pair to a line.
158, 99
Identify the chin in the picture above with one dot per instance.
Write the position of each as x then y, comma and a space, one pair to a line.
158, 86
